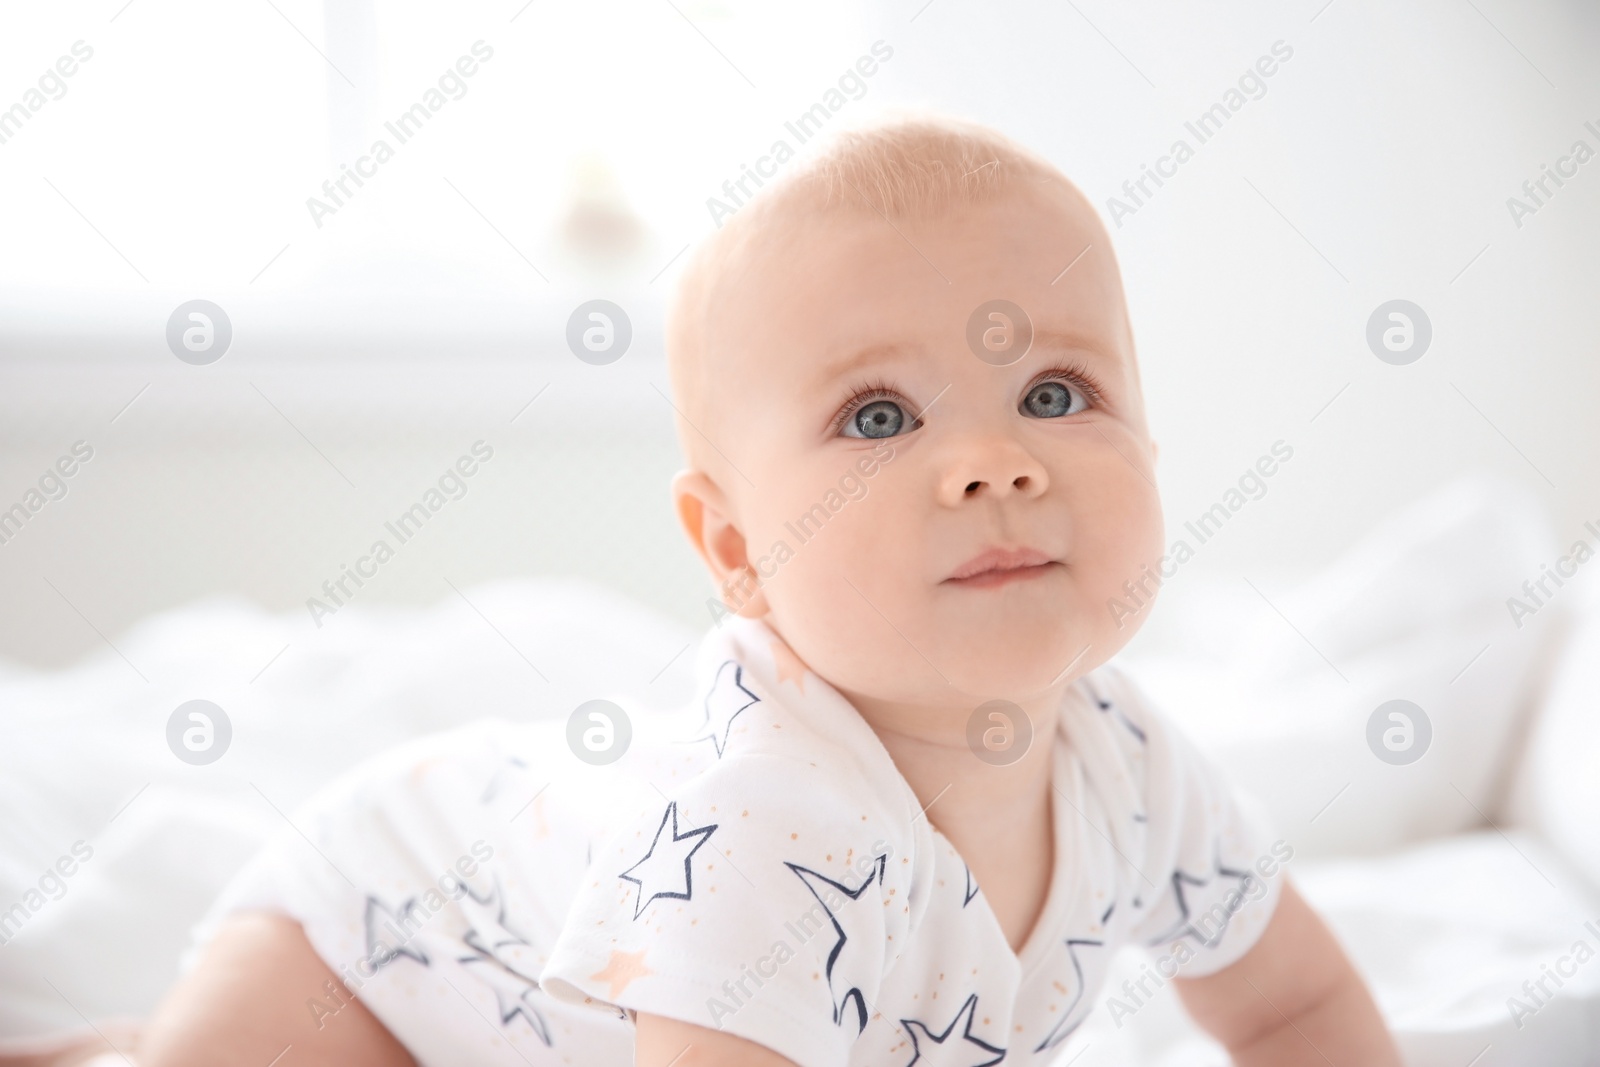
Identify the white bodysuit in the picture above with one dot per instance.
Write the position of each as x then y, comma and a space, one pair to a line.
756, 864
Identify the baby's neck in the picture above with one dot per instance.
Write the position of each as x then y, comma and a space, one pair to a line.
998, 817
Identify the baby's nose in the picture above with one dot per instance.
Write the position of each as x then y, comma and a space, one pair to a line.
1020, 483
997, 468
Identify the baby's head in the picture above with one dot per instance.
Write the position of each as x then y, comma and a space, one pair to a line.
865, 431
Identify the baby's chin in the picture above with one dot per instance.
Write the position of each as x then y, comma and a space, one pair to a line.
1019, 638
1013, 642
1019, 663
1015, 659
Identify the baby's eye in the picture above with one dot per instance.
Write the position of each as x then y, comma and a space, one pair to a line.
881, 418
1052, 400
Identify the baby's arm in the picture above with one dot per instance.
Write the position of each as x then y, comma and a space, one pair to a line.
663, 1042
1293, 998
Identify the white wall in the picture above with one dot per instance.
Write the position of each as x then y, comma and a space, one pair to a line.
1376, 166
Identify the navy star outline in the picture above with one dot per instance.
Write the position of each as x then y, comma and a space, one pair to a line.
510, 1009
968, 1009
702, 832
486, 949
374, 905
1184, 926
972, 890
806, 874
724, 690
492, 790
1106, 705
1063, 1029
390, 953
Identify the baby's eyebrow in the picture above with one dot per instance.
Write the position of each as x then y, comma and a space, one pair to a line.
1066, 342
856, 360
1047, 342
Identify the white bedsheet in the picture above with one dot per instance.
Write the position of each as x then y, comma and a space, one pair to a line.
1445, 933
1446, 918
84, 756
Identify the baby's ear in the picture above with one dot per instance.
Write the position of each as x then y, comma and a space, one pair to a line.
703, 512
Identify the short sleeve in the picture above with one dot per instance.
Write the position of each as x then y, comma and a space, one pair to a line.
1214, 869
766, 898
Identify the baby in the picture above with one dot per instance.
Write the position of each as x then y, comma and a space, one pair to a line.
912, 813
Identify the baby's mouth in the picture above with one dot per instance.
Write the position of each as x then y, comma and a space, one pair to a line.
1001, 566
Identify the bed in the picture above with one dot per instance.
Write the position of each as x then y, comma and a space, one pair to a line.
1463, 882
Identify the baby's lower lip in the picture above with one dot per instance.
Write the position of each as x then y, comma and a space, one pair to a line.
991, 579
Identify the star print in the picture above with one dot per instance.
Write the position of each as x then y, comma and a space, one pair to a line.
1184, 925
789, 666
492, 941
420, 771
724, 703
1106, 705
940, 1050
380, 952
1066, 1024
492, 790
510, 1009
620, 970
972, 888
851, 956
666, 865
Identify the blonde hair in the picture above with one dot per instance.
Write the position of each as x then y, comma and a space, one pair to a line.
913, 167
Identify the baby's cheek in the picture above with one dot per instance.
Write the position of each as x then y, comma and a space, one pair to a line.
828, 627
826, 600
826, 558
1119, 556
1133, 544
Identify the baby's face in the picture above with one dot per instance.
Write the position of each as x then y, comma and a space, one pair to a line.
848, 351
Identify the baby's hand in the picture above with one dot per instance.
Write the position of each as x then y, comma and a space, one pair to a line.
1293, 998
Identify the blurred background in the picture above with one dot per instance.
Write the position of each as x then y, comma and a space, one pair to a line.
1396, 152
369, 351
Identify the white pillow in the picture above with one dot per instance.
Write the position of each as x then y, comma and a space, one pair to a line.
1415, 611
1556, 791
